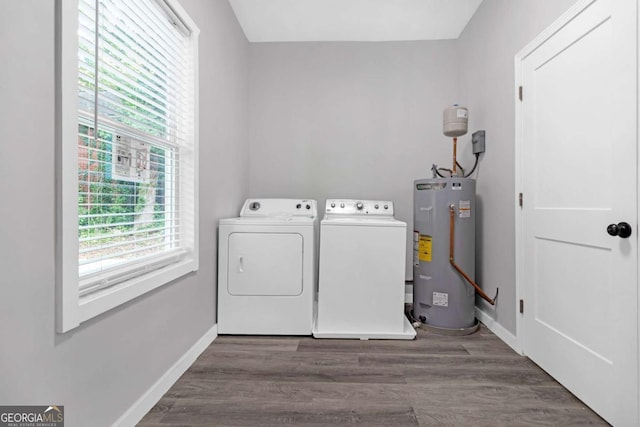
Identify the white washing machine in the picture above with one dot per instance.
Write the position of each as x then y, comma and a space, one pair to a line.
267, 268
362, 272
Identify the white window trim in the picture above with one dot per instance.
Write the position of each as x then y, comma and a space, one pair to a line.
71, 308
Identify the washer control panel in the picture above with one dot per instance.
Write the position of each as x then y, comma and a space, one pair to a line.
359, 207
280, 207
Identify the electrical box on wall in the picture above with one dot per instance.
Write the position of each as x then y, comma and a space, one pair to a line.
477, 141
130, 159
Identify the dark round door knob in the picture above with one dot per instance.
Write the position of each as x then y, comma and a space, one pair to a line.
621, 229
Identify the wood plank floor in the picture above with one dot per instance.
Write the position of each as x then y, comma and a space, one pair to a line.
434, 380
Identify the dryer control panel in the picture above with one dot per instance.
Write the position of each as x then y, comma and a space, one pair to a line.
280, 207
359, 207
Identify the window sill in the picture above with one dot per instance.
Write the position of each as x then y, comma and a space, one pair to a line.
104, 300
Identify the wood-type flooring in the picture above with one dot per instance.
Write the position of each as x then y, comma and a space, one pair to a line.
433, 380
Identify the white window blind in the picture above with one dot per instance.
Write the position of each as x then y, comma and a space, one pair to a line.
135, 140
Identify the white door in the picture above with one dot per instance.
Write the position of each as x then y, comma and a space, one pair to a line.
578, 173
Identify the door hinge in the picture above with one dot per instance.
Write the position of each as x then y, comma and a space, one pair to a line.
520, 92
521, 306
520, 202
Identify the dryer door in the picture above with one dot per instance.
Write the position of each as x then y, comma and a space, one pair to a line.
265, 264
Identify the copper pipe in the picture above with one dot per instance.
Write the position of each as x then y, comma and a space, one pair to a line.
452, 235
455, 161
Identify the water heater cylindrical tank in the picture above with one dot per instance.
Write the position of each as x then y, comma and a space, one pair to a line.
441, 296
455, 120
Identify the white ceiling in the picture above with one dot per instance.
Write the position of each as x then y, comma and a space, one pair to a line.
353, 20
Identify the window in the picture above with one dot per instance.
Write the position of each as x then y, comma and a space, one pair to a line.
127, 141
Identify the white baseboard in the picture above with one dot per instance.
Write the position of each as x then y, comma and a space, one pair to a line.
499, 330
139, 409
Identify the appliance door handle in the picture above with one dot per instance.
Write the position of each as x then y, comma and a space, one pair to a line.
241, 264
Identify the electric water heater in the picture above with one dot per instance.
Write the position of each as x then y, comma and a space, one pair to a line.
444, 239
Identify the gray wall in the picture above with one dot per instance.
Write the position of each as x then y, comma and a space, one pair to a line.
98, 370
364, 120
497, 31
349, 120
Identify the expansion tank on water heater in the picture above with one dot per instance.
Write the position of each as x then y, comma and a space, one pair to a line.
441, 296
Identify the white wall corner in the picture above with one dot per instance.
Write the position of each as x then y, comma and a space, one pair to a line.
500, 331
139, 409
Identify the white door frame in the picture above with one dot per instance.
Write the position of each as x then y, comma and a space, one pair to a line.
520, 56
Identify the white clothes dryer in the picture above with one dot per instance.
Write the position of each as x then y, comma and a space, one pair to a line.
267, 268
362, 272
